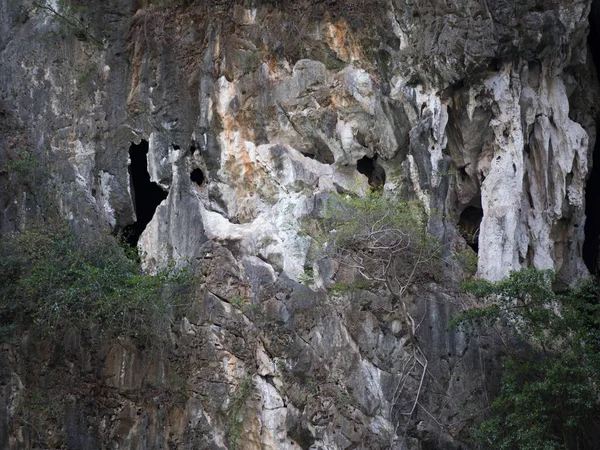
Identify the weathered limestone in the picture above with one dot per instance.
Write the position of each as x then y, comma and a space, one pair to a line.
485, 107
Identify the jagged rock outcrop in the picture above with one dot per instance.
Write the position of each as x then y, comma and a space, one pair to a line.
483, 111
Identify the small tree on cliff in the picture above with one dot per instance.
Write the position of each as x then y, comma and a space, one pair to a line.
549, 395
384, 240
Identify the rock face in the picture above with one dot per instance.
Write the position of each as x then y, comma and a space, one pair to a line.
252, 113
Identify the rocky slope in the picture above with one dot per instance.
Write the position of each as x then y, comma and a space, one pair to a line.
211, 133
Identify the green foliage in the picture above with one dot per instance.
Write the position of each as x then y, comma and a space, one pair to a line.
49, 279
166, 2
383, 238
549, 392
344, 398
280, 365
238, 301
372, 218
23, 163
467, 259
235, 410
312, 386
344, 287
86, 74
307, 277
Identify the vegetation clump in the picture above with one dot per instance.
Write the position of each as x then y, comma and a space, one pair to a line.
236, 409
382, 238
385, 242
549, 388
51, 279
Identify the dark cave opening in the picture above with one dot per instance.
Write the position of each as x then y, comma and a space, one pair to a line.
373, 171
592, 194
365, 165
469, 224
146, 194
197, 176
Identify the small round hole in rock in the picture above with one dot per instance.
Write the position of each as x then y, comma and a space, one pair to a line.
197, 176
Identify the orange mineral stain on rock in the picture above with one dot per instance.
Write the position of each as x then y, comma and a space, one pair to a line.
239, 164
136, 63
340, 42
272, 64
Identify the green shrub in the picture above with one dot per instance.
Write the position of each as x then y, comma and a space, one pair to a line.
549, 388
49, 278
23, 163
382, 237
307, 277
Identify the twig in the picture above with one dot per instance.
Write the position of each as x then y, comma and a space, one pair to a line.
72, 21
432, 416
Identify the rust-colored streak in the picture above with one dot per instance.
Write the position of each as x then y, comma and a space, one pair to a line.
340, 41
136, 63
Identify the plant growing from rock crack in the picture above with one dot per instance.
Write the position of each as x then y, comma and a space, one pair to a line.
235, 410
307, 277
238, 301
467, 259
23, 163
385, 241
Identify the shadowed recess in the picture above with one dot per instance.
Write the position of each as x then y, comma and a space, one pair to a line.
197, 176
146, 194
592, 189
469, 224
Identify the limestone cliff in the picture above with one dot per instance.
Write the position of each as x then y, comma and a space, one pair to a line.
210, 132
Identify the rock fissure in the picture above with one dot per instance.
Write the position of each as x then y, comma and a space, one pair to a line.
591, 245
146, 195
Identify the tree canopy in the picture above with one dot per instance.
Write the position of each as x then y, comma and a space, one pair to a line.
384, 239
549, 394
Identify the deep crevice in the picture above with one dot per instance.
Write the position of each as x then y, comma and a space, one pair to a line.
592, 194
322, 152
469, 224
146, 194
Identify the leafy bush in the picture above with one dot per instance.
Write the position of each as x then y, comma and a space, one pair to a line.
384, 241
384, 238
549, 392
50, 278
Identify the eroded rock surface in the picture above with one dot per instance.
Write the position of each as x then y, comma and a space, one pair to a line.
253, 113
